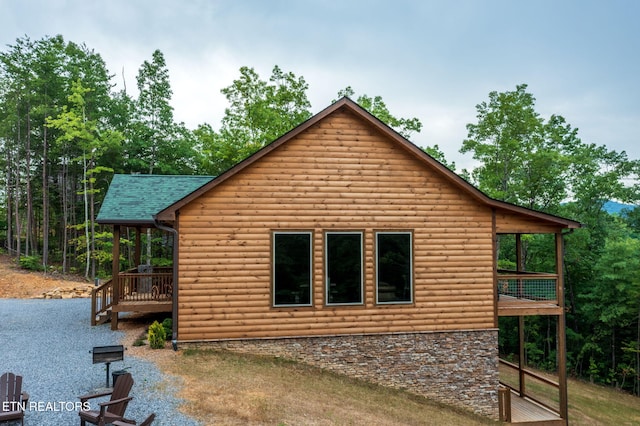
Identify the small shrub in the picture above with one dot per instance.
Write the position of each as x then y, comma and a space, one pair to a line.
167, 324
31, 263
157, 336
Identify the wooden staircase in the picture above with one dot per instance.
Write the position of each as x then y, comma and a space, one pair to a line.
102, 303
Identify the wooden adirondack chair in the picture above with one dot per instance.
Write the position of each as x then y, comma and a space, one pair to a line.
112, 410
12, 397
146, 422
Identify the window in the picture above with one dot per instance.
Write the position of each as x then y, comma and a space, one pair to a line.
394, 267
343, 262
292, 268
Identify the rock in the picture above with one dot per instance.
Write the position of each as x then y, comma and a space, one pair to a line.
67, 292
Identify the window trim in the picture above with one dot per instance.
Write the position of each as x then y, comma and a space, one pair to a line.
273, 269
411, 269
326, 269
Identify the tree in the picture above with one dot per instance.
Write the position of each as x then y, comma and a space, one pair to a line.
77, 128
153, 123
613, 302
544, 165
376, 106
36, 78
404, 126
259, 112
521, 157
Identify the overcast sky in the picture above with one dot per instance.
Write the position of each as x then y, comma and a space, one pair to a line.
434, 60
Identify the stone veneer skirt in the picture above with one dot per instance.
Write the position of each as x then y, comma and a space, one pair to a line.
458, 368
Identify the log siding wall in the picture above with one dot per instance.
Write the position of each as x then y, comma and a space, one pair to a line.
338, 175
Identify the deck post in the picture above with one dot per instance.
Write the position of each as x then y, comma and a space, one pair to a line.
521, 366
562, 341
115, 271
137, 247
521, 354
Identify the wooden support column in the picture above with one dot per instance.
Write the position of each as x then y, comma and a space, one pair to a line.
561, 331
137, 248
115, 270
521, 366
521, 353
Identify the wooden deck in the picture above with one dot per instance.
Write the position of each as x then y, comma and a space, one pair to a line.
137, 292
146, 305
526, 412
528, 293
510, 306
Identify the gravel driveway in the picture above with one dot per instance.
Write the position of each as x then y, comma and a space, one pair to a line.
48, 342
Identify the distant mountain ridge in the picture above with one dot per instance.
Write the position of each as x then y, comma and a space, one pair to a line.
613, 207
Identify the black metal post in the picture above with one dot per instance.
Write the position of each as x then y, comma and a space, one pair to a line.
107, 382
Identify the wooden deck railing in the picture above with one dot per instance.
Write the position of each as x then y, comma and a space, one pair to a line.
536, 385
156, 286
504, 404
528, 285
101, 302
142, 286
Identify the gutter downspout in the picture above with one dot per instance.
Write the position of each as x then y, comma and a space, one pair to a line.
174, 301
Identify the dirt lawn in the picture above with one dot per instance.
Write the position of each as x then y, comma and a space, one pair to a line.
16, 283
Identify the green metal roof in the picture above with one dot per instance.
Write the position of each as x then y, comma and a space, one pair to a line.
135, 199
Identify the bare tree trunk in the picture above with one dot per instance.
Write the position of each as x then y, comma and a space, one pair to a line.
16, 205
86, 216
73, 219
16, 198
29, 195
9, 192
613, 353
45, 202
91, 223
65, 216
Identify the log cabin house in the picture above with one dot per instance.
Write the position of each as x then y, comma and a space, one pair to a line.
344, 245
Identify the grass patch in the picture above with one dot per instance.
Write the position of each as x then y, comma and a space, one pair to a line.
222, 387
227, 388
598, 405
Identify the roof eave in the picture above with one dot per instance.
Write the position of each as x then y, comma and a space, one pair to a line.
126, 222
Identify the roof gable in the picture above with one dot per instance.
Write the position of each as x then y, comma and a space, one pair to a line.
168, 213
136, 198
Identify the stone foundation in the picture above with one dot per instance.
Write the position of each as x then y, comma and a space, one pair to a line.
457, 368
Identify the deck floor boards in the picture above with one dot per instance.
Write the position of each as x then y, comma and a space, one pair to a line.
524, 411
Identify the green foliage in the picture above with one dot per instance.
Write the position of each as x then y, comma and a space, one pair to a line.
157, 336
167, 324
436, 153
521, 156
31, 263
259, 112
543, 164
376, 106
59, 113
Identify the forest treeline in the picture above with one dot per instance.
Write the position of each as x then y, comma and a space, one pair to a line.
64, 131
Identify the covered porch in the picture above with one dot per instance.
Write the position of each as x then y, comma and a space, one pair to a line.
131, 203
145, 288
526, 396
